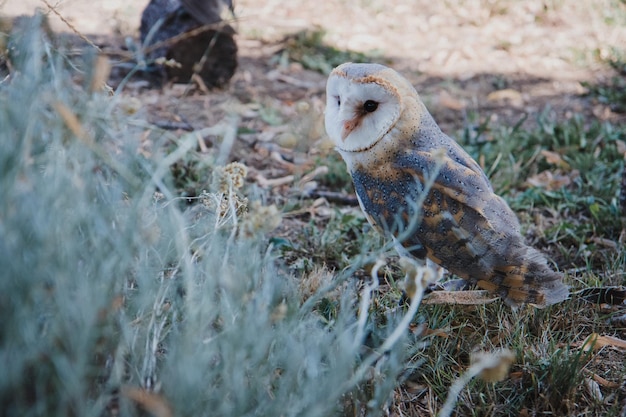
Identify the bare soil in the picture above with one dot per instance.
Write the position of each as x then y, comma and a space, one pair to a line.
498, 58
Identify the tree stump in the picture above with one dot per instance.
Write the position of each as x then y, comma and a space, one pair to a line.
206, 48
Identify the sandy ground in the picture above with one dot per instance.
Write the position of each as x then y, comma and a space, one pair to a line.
502, 56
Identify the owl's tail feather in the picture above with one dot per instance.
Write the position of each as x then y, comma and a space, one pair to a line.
531, 281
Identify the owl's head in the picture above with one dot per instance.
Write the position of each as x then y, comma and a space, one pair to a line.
363, 103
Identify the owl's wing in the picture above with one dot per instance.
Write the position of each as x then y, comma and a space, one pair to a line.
473, 233
458, 178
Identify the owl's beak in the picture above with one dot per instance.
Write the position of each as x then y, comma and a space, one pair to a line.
348, 127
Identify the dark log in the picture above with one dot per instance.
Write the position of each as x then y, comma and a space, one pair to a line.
201, 44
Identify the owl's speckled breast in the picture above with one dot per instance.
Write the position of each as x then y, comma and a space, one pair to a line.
392, 203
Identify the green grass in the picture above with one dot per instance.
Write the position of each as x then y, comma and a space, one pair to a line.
308, 48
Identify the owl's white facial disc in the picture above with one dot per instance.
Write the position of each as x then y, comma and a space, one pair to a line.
361, 107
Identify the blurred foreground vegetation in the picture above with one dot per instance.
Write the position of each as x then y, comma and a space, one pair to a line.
116, 299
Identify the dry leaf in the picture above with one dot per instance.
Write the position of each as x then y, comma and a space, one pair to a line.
436, 332
611, 341
550, 181
414, 387
422, 329
321, 170
495, 364
554, 158
71, 120
594, 389
101, 72
513, 96
273, 182
607, 243
446, 100
269, 132
604, 382
595, 341
477, 297
152, 402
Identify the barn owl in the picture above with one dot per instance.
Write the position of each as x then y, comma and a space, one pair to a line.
415, 183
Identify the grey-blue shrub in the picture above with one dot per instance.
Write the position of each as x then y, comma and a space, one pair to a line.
104, 287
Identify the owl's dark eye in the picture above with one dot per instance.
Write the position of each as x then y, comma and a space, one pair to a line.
370, 106
338, 102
